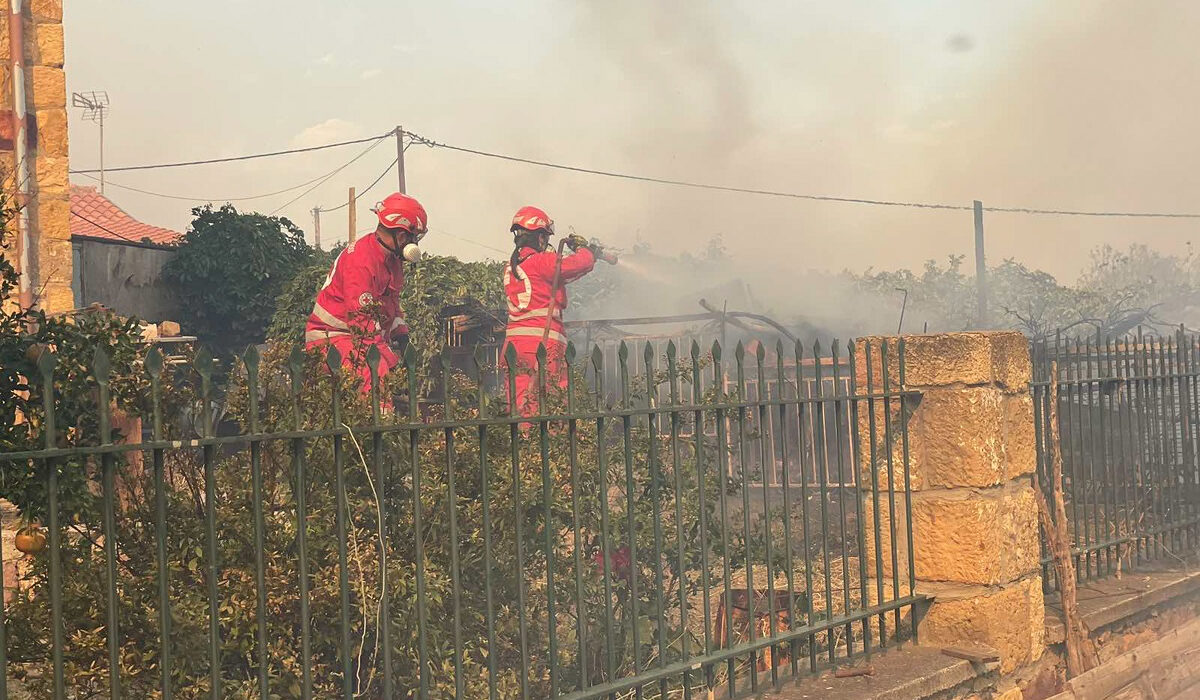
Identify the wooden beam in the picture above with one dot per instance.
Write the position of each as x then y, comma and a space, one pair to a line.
1168, 666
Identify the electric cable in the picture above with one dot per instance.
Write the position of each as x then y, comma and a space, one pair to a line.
791, 195
330, 175
207, 199
232, 159
368, 189
103, 227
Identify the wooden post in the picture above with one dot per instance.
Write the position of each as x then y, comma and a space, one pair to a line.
980, 268
400, 157
1081, 654
317, 227
353, 215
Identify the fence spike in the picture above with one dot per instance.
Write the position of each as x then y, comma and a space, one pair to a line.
333, 359
252, 357
569, 353
153, 362
296, 368
46, 362
716, 351
623, 367
203, 362
479, 360
101, 365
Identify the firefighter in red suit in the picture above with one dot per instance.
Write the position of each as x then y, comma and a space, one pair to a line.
359, 304
528, 279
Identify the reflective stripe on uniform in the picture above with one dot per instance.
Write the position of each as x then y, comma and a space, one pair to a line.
317, 336
523, 297
328, 318
532, 332
535, 313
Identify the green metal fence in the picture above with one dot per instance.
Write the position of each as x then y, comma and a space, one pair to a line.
305, 542
1128, 412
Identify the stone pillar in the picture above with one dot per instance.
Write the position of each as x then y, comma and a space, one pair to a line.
974, 518
46, 96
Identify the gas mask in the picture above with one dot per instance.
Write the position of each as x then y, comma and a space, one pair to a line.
404, 245
411, 252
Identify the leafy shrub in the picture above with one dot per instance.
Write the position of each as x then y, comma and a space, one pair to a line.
502, 568
228, 272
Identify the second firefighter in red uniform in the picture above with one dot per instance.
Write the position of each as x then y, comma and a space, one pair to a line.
359, 304
536, 304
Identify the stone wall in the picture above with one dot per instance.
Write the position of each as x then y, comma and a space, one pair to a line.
46, 104
970, 451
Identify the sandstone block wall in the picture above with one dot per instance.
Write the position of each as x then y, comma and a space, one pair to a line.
46, 107
970, 451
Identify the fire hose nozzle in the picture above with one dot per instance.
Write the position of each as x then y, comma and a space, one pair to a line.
603, 254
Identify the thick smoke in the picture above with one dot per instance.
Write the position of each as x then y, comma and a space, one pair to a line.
1086, 105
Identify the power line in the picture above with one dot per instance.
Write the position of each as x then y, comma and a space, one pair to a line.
231, 159
416, 138
325, 179
1068, 212
444, 232
103, 227
791, 195
343, 205
208, 199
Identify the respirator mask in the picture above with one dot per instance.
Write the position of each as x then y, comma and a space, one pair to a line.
404, 245
411, 251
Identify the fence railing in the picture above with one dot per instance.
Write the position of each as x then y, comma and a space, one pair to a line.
1128, 412
316, 544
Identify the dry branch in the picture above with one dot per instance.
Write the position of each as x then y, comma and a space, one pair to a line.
1080, 652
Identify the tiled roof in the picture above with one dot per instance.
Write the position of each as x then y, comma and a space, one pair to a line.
92, 213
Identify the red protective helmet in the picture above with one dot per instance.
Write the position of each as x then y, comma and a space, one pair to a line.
400, 211
532, 219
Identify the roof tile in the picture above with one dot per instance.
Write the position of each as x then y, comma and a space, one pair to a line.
94, 213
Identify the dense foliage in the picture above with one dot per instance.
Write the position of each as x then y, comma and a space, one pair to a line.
28, 336
500, 566
1117, 292
295, 302
429, 287
228, 272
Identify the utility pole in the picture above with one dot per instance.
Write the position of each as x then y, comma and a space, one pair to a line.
317, 226
353, 215
400, 157
94, 105
980, 268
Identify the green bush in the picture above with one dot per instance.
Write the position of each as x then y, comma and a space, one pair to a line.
516, 568
431, 285
228, 272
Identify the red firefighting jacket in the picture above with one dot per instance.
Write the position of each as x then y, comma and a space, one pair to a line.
529, 293
363, 274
